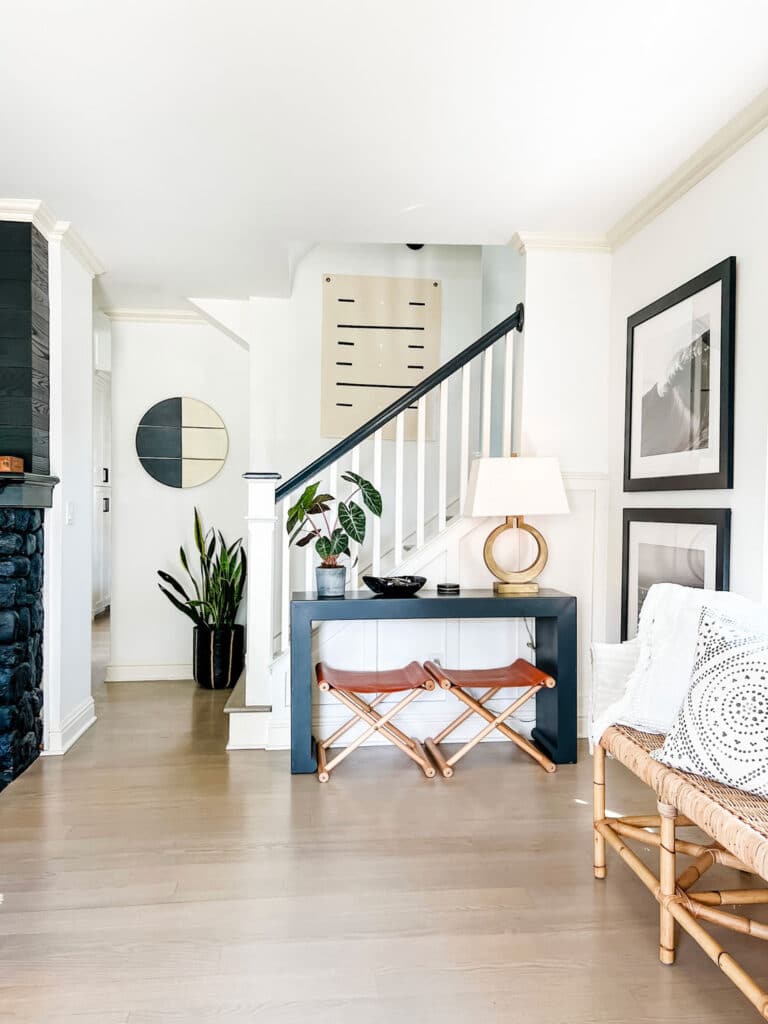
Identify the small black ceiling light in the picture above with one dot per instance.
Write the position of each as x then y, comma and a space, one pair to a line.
415, 245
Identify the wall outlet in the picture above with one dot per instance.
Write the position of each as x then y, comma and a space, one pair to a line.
69, 513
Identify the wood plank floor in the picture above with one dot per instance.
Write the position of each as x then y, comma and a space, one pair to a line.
152, 878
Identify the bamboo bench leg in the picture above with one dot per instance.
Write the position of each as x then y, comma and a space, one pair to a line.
667, 883
598, 807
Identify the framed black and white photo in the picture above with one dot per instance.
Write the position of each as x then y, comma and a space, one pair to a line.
678, 431
689, 546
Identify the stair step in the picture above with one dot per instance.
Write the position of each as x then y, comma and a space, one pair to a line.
236, 703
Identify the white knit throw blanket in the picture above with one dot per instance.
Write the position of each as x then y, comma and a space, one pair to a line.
667, 633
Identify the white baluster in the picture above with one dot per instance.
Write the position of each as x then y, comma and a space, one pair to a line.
421, 425
442, 472
355, 549
509, 364
485, 444
466, 392
376, 560
399, 498
285, 580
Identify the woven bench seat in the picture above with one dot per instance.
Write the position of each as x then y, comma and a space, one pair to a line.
733, 818
736, 821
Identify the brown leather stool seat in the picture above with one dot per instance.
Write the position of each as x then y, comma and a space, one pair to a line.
520, 674
346, 686
411, 677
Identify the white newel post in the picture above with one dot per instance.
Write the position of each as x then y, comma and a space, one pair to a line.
261, 561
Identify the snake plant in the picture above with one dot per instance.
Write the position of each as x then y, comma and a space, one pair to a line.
220, 585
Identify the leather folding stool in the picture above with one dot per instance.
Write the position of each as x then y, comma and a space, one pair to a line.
521, 674
347, 686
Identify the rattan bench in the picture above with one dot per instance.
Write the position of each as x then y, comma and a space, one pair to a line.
737, 823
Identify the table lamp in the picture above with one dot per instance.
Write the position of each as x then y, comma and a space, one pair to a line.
513, 488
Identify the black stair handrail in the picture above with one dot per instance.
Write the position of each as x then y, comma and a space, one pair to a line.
381, 419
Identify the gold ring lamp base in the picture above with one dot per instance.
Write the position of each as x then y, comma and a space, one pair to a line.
521, 582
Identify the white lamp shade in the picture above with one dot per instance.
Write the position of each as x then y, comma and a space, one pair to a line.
515, 487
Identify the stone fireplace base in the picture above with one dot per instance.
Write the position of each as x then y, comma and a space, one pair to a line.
21, 639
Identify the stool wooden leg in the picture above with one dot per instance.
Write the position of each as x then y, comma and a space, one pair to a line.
322, 768
445, 769
422, 758
488, 695
598, 808
497, 722
378, 723
352, 721
667, 881
390, 728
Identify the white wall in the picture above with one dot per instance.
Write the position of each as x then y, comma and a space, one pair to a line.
286, 337
503, 284
724, 215
150, 362
565, 357
67, 678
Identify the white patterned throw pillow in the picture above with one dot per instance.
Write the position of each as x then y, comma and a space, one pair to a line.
721, 730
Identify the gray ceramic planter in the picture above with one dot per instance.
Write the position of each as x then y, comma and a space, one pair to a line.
331, 582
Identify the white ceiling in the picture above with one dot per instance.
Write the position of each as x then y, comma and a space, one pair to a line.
198, 146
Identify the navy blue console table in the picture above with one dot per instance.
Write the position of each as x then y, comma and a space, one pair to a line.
555, 615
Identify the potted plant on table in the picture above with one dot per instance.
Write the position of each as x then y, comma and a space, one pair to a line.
311, 519
218, 641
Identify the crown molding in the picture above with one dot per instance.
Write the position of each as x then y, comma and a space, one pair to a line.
35, 211
134, 315
32, 211
524, 241
77, 247
715, 151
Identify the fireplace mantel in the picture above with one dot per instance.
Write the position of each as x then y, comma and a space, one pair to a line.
26, 490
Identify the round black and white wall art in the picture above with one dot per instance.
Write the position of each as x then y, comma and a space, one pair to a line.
182, 442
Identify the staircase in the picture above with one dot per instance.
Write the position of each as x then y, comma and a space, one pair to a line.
462, 410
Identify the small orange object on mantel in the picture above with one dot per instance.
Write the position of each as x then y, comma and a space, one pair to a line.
11, 464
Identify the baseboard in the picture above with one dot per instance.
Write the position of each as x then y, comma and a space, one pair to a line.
147, 673
72, 728
260, 730
248, 730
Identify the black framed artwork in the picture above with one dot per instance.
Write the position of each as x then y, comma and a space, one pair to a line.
678, 429
689, 546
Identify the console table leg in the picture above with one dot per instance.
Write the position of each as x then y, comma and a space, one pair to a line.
556, 709
303, 759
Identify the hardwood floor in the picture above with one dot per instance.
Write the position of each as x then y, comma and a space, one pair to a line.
151, 877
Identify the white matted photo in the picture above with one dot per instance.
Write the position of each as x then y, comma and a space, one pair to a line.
679, 410
684, 546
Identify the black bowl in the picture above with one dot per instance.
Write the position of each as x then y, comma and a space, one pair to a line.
394, 586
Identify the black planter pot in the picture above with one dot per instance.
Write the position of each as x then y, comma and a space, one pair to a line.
218, 656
